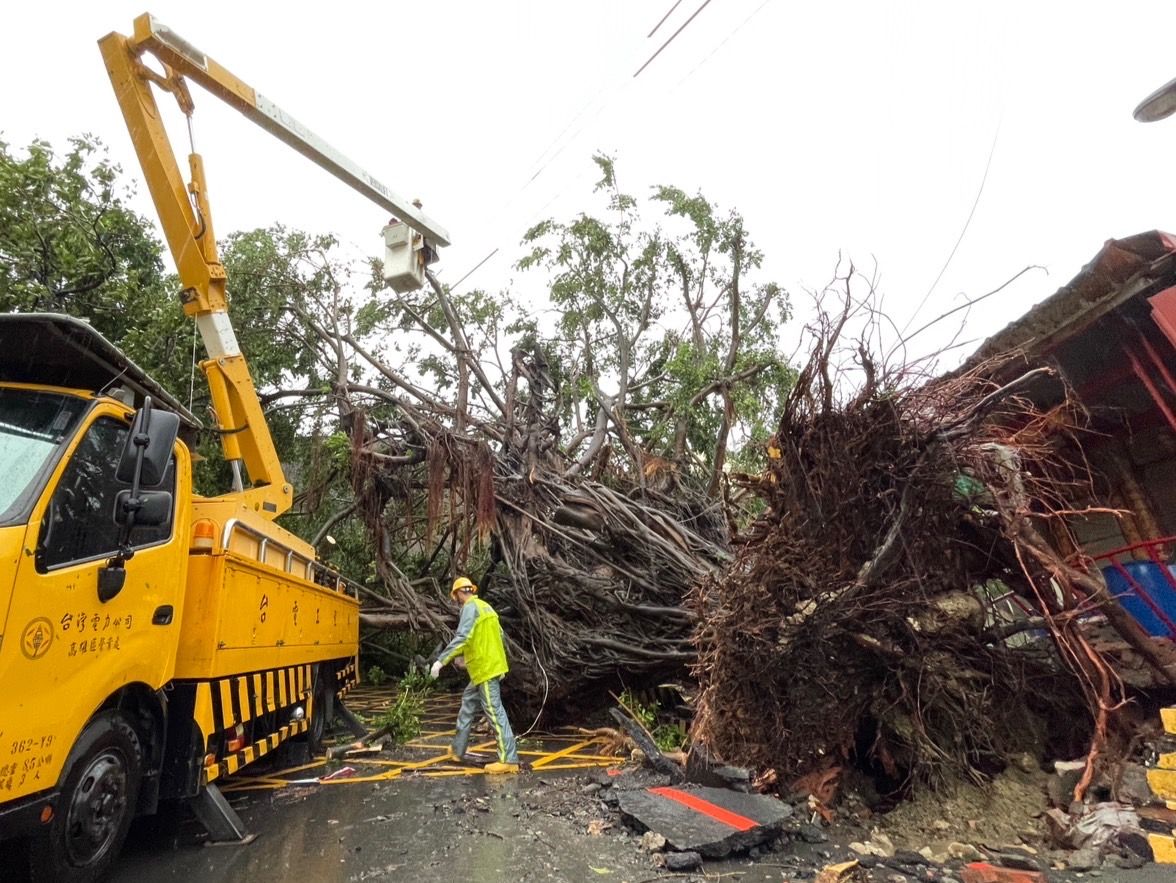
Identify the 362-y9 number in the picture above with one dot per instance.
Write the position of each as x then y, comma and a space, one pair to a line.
20, 746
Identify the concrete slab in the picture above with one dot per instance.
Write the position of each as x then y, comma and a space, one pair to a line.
712, 821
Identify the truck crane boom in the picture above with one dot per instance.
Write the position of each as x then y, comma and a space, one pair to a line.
186, 219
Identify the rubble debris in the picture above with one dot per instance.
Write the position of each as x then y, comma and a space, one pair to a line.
1085, 859
1022, 858
1099, 831
596, 827
983, 872
651, 841
682, 861
342, 773
711, 821
838, 873
1130, 785
703, 769
811, 834
878, 845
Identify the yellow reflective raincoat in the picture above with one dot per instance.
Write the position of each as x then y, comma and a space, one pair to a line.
479, 639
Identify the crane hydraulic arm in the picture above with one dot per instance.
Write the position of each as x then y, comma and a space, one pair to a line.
187, 224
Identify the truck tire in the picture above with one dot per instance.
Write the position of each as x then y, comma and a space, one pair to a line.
316, 727
96, 806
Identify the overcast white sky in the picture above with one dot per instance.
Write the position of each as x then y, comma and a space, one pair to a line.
855, 127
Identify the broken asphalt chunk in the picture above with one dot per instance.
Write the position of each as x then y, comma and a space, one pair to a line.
682, 861
711, 821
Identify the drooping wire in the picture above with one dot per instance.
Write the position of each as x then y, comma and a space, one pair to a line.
455, 285
546, 685
963, 231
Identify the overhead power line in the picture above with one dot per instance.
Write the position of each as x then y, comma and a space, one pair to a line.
681, 28
454, 286
587, 114
669, 12
724, 42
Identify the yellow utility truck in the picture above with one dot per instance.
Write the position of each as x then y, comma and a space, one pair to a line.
153, 640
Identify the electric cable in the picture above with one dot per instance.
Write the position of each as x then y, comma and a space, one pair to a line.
722, 43
963, 232
681, 28
616, 87
669, 12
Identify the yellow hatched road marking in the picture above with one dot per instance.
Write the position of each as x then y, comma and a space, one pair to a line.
478, 771
557, 755
571, 751
239, 789
390, 774
582, 766
313, 765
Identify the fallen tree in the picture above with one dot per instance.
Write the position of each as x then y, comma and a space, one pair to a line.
862, 615
872, 612
581, 481
588, 575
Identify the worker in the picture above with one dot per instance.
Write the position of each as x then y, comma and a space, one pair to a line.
479, 640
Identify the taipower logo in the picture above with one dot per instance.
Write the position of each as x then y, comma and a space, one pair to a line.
37, 638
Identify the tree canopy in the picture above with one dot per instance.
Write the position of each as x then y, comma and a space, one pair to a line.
666, 340
69, 243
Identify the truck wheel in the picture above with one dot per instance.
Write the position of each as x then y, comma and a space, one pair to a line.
316, 728
96, 806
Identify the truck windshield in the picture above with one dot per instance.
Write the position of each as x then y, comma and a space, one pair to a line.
33, 425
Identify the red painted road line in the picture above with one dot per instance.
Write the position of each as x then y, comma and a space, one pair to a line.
713, 810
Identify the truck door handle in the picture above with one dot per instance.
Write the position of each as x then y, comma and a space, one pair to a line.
163, 615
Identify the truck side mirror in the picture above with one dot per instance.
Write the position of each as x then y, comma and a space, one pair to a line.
153, 433
143, 463
153, 508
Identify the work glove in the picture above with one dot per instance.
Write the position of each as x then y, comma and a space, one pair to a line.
435, 671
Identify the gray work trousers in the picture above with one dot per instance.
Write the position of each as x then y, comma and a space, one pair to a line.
487, 697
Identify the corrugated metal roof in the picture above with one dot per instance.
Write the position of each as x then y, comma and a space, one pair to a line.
1122, 269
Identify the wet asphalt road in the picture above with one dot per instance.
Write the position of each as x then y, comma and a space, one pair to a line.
449, 829
520, 829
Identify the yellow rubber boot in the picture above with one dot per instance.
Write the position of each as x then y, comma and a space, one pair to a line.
501, 768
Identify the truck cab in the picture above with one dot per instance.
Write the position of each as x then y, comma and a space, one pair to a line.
67, 402
140, 659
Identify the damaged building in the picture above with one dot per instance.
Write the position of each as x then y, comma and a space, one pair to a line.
1110, 334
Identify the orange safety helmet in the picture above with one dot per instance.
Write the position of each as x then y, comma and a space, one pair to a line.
462, 582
